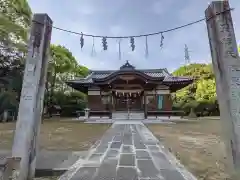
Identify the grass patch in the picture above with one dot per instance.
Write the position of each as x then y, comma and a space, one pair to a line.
59, 135
197, 145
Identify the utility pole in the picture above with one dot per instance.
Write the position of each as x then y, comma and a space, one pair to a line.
226, 65
187, 57
31, 102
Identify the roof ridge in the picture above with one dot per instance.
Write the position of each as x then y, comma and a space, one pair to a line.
94, 71
110, 71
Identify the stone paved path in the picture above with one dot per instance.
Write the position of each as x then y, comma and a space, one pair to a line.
128, 152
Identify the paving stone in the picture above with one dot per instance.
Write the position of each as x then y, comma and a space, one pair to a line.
127, 173
147, 169
127, 139
150, 143
107, 171
171, 174
106, 140
112, 153
139, 145
161, 161
116, 145
135, 144
127, 149
117, 138
95, 157
68, 162
153, 148
127, 160
142, 154
101, 149
85, 173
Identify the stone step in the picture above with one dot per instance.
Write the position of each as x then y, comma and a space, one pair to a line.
126, 115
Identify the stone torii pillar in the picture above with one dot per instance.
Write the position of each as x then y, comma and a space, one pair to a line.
226, 65
32, 95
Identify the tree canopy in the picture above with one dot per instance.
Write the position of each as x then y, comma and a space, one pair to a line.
201, 95
15, 18
203, 88
62, 67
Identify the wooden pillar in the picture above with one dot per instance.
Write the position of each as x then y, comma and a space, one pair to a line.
156, 99
101, 100
145, 104
113, 102
226, 65
167, 102
32, 94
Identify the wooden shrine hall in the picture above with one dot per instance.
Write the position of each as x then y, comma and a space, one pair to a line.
130, 90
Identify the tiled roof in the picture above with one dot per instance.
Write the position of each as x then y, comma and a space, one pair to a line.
176, 79
150, 72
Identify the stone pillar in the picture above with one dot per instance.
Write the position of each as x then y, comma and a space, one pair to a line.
32, 94
226, 65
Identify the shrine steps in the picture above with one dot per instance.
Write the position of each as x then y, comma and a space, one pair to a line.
125, 115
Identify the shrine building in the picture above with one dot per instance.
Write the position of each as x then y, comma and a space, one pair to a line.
129, 90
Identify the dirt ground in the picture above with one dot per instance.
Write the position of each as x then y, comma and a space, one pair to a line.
59, 135
197, 145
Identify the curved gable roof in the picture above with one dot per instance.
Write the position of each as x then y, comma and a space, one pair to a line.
99, 76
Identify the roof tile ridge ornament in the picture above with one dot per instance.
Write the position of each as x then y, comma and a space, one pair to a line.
89, 76
83, 78
127, 66
167, 72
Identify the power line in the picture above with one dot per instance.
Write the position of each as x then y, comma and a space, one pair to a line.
104, 38
135, 36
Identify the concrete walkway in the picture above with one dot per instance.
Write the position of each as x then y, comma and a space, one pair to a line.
128, 151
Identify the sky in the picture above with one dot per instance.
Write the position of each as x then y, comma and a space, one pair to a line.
132, 17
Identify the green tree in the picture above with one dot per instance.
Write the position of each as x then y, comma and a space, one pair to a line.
202, 74
206, 90
202, 91
62, 67
15, 18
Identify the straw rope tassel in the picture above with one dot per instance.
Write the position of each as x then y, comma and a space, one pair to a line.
119, 50
146, 50
93, 53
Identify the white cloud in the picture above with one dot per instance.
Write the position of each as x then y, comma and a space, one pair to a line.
86, 9
115, 30
160, 7
77, 17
